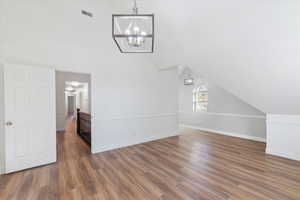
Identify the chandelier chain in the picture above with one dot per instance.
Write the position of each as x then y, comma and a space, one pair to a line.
135, 8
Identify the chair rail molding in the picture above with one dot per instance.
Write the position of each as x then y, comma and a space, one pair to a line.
283, 119
131, 117
225, 114
135, 129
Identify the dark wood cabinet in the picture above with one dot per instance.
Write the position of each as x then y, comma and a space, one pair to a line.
84, 126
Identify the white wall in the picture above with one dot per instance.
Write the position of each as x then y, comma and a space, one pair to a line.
61, 100
82, 98
226, 114
248, 47
136, 104
1, 119
132, 101
283, 136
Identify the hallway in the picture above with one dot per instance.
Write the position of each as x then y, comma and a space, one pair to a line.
69, 144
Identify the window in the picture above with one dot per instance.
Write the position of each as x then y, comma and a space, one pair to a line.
200, 99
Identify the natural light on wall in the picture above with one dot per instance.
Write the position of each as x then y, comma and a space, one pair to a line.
200, 99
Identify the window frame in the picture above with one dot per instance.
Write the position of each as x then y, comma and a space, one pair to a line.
200, 105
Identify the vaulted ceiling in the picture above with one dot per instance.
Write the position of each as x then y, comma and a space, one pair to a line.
250, 47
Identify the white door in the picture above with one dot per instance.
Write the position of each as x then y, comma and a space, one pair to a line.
30, 135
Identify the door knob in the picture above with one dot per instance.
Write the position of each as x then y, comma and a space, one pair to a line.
9, 123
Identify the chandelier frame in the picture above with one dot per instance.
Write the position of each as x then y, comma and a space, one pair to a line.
115, 36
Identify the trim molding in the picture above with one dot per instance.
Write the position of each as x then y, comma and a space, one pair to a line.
2, 171
283, 119
283, 122
22, 61
147, 139
2, 128
225, 114
2, 61
282, 154
139, 117
248, 137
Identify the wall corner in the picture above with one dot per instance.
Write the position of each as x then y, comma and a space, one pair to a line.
283, 136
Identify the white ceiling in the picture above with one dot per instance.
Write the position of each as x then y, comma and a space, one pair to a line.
250, 47
75, 86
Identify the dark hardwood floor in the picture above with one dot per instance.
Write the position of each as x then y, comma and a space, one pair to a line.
196, 165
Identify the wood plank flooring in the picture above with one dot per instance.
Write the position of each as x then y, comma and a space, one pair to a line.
196, 165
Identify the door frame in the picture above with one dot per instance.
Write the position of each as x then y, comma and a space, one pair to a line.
2, 118
91, 96
14, 60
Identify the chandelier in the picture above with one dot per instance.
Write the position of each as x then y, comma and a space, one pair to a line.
133, 33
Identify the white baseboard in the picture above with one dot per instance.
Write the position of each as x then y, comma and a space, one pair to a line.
248, 137
118, 146
283, 154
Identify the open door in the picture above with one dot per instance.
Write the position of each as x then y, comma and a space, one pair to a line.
30, 134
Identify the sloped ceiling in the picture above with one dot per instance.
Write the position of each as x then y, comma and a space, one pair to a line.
249, 47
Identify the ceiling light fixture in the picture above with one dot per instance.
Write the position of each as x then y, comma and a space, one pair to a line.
70, 89
133, 33
189, 81
75, 83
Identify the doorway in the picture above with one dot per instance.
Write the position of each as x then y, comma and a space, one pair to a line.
71, 105
34, 133
73, 114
